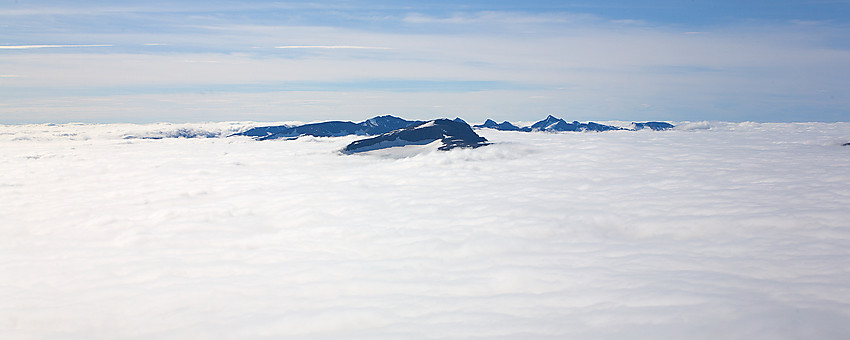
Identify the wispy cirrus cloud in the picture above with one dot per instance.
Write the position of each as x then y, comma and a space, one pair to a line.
334, 47
28, 47
586, 65
499, 17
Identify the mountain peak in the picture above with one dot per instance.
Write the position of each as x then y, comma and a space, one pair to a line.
450, 134
548, 124
489, 123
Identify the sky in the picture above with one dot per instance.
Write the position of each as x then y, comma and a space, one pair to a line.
196, 61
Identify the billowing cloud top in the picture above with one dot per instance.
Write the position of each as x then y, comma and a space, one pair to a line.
655, 235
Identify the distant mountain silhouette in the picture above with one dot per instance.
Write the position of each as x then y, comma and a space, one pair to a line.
373, 126
552, 123
504, 126
655, 126
384, 124
451, 133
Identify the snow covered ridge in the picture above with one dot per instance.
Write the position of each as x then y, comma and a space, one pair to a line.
451, 133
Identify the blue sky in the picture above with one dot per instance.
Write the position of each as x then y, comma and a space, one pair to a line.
134, 61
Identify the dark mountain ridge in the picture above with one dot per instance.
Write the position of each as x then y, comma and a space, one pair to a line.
384, 124
504, 126
451, 133
552, 124
654, 126
369, 127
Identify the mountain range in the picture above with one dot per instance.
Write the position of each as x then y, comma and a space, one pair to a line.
369, 127
385, 124
442, 134
552, 124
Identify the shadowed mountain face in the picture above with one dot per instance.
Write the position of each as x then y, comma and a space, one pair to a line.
655, 126
452, 134
556, 124
384, 124
373, 126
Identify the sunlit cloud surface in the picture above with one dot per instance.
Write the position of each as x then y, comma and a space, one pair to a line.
709, 231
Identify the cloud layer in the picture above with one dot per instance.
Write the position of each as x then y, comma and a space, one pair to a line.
715, 230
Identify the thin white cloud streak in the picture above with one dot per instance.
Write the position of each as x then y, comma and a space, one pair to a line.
156, 8
100, 70
592, 48
527, 59
333, 47
588, 94
493, 18
27, 47
60, 11
587, 59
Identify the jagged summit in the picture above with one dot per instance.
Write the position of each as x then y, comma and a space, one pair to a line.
445, 134
489, 123
552, 123
504, 126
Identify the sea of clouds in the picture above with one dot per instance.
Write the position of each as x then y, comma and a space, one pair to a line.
712, 230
